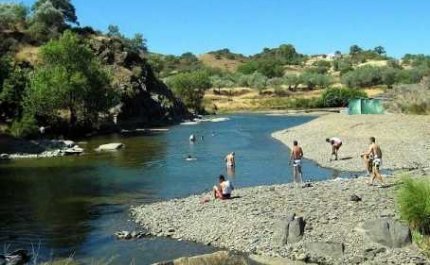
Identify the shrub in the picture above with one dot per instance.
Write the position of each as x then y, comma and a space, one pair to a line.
413, 200
338, 97
24, 128
410, 99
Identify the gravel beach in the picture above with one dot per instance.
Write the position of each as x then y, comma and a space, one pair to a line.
340, 221
249, 223
404, 140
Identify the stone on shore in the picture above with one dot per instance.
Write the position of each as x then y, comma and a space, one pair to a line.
221, 257
387, 232
110, 147
256, 222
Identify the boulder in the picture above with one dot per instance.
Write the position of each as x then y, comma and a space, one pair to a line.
354, 198
110, 147
387, 232
326, 250
289, 231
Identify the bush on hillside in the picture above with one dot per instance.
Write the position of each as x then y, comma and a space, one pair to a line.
24, 128
413, 200
338, 97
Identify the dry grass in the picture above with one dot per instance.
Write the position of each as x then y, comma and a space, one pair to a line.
223, 63
28, 53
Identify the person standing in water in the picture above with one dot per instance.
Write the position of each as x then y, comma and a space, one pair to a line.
335, 143
375, 154
296, 159
230, 160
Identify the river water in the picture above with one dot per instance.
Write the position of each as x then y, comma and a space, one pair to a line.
73, 205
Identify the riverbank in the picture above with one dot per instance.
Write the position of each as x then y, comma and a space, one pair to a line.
404, 139
250, 222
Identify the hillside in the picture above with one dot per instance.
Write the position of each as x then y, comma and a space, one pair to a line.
223, 63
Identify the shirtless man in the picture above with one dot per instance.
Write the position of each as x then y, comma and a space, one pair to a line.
374, 154
296, 159
335, 143
230, 160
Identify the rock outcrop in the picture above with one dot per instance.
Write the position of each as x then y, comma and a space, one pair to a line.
146, 101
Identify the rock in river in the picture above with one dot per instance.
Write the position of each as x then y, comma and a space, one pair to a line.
110, 147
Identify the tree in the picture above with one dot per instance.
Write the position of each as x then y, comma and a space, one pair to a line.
47, 22
12, 14
355, 49
65, 6
190, 87
69, 78
292, 81
113, 31
389, 76
13, 82
379, 50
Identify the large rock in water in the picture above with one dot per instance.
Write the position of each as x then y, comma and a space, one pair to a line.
289, 230
110, 147
387, 232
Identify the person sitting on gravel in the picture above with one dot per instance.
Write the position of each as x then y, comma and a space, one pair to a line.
335, 143
375, 155
224, 189
296, 159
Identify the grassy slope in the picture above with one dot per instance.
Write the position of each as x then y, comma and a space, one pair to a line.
223, 63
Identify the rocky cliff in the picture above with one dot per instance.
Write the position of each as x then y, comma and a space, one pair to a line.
146, 101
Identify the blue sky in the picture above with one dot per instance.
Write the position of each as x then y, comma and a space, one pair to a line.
247, 26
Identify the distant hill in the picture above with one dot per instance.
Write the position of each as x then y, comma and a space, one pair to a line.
223, 63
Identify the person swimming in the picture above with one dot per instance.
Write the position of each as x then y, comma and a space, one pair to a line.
190, 158
193, 138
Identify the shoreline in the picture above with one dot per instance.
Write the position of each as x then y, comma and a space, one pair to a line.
334, 223
249, 223
394, 133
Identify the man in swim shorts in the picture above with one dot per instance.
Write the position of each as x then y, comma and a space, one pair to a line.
230, 160
296, 159
335, 143
223, 190
375, 155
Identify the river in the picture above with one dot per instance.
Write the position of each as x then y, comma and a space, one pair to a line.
73, 205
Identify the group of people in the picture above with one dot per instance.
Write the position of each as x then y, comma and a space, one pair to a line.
372, 158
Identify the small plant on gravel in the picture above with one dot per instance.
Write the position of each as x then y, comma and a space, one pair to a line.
423, 242
413, 200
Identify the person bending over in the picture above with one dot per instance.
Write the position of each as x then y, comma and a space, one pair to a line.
224, 189
335, 143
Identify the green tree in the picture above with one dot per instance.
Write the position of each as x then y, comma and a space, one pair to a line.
12, 87
379, 50
338, 97
389, 76
65, 6
113, 31
292, 81
47, 22
355, 49
12, 14
190, 87
69, 78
